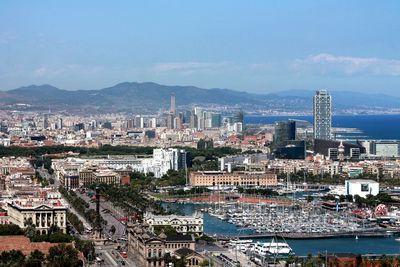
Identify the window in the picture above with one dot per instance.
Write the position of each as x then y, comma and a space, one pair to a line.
364, 188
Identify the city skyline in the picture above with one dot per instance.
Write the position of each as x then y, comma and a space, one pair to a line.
199, 133
241, 46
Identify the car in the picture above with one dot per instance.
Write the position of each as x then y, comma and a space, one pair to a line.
123, 263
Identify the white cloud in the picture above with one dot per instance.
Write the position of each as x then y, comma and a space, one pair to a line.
326, 63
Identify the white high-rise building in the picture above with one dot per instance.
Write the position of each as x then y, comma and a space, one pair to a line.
141, 122
153, 123
322, 115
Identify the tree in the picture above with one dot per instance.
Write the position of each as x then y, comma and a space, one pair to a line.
35, 259
12, 258
30, 230
54, 229
85, 246
349, 198
358, 200
63, 256
181, 262
166, 229
10, 229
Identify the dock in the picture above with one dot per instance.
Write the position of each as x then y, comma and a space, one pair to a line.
376, 233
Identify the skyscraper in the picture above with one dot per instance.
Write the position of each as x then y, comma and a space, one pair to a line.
322, 115
284, 131
173, 105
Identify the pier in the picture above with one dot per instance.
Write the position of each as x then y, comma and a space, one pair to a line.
377, 233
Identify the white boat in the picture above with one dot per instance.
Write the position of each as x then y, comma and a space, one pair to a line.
280, 249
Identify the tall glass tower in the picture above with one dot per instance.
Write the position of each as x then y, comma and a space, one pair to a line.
322, 115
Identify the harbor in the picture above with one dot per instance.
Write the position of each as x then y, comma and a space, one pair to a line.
361, 239
298, 221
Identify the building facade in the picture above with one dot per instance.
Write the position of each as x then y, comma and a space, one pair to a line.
216, 178
322, 115
151, 250
362, 187
182, 224
43, 216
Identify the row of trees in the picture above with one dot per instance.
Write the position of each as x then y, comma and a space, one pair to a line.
130, 198
54, 236
41, 180
60, 255
10, 229
191, 191
172, 178
38, 152
368, 201
81, 206
74, 220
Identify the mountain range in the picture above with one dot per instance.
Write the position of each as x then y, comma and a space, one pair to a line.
148, 96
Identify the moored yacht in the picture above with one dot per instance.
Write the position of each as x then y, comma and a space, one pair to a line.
273, 249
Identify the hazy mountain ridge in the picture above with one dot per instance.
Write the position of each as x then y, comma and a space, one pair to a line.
132, 94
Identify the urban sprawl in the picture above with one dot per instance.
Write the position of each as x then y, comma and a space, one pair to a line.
148, 189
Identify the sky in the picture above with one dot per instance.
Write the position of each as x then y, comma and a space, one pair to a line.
257, 46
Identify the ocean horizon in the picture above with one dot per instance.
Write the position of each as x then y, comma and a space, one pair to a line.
377, 127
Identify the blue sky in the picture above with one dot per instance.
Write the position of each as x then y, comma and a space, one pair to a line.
255, 46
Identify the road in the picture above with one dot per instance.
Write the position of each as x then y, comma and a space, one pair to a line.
112, 256
110, 251
111, 217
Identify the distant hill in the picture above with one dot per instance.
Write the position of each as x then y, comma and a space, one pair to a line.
151, 96
348, 99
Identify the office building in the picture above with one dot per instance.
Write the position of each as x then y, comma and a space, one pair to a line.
292, 150
193, 121
386, 149
137, 121
284, 131
239, 117
322, 115
330, 148
170, 121
173, 105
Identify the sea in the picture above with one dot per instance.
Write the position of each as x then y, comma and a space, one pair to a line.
362, 245
374, 127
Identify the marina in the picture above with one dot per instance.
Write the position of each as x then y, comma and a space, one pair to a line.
360, 242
